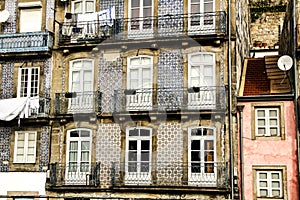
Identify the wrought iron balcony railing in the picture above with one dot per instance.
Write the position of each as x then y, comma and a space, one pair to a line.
74, 174
77, 102
26, 42
204, 174
170, 99
148, 27
160, 174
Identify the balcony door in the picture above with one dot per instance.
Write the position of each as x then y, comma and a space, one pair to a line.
201, 16
202, 156
78, 156
138, 156
81, 86
139, 81
201, 81
140, 14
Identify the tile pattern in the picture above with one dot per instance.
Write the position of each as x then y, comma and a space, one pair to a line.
170, 76
108, 151
10, 26
44, 147
169, 152
119, 6
7, 81
110, 80
47, 77
174, 7
49, 11
5, 137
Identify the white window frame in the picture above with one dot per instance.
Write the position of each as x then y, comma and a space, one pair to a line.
142, 100
79, 176
84, 101
268, 181
139, 178
84, 9
141, 32
202, 178
202, 27
27, 90
25, 147
206, 97
267, 119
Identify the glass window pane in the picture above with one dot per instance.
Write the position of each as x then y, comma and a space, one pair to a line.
85, 145
132, 156
261, 131
209, 156
133, 132
276, 193
260, 113
273, 122
261, 122
145, 156
274, 131
263, 183
144, 132
73, 145
195, 156
90, 6
262, 175
263, 192
74, 134
275, 176
195, 145
145, 167
209, 145
275, 184
85, 156
132, 145
78, 7
132, 167
85, 134
145, 145
135, 3
273, 113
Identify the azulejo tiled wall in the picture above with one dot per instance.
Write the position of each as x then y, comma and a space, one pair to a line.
7, 81
44, 148
108, 151
109, 81
5, 137
169, 151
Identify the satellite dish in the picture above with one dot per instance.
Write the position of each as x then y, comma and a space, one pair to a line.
4, 15
285, 63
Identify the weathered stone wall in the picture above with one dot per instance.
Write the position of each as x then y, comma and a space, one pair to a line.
267, 28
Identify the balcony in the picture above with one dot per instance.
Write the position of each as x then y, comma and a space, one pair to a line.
26, 42
170, 99
77, 102
162, 174
24, 107
74, 174
141, 28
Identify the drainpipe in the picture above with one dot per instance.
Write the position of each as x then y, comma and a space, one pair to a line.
240, 109
296, 89
230, 104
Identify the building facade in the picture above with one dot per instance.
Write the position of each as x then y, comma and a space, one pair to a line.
141, 95
268, 165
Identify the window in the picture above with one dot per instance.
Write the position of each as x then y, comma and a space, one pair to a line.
78, 156
138, 156
81, 84
202, 156
25, 147
198, 21
267, 122
30, 16
28, 83
139, 79
201, 75
140, 13
269, 183
83, 6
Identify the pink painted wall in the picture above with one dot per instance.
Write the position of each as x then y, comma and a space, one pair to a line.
262, 152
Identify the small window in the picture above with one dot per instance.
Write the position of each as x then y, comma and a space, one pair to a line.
267, 122
30, 19
269, 183
28, 82
83, 6
25, 147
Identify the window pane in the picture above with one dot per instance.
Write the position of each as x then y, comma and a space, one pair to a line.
261, 131
132, 167
209, 145
90, 6
85, 145
144, 132
133, 132
132, 156
74, 134
263, 184
260, 113
132, 145
275, 184
195, 145
145, 156
273, 122
209, 156
261, 122
145, 167
145, 145
195, 156
273, 113
85, 156
273, 131
263, 192
85, 134
73, 145
135, 3
275, 176
262, 175
276, 193
78, 7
